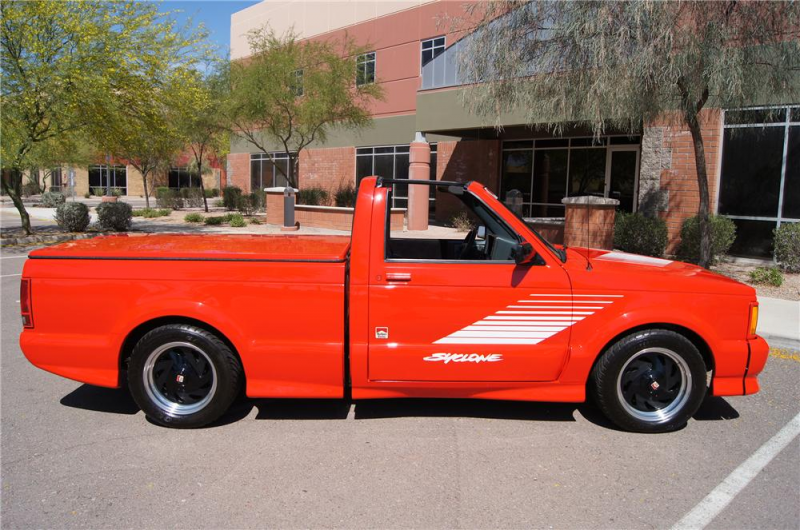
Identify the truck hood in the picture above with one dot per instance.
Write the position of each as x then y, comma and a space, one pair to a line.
211, 247
642, 273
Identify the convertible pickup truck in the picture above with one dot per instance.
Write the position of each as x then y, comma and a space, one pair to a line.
187, 322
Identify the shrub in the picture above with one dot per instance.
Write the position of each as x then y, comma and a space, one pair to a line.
163, 212
787, 247
168, 198
116, 192
193, 218
255, 221
72, 216
231, 196
768, 275
213, 192
98, 191
723, 232
461, 222
139, 213
214, 220
87, 195
313, 196
114, 216
53, 199
192, 197
237, 221
219, 203
345, 196
635, 233
248, 204
31, 188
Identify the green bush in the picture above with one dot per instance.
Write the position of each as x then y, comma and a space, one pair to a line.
313, 196
114, 216
139, 213
345, 196
214, 220
249, 204
255, 221
787, 247
116, 192
219, 203
53, 199
168, 198
635, 233
231, 196
723, 232
31, 188
72, 216
87, 195
193, 218
213, 192
192, 197
768, 275
237, 221
98, 191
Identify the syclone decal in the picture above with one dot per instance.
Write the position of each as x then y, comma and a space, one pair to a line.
464, 358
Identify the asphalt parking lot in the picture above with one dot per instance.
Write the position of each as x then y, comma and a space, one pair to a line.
75, 456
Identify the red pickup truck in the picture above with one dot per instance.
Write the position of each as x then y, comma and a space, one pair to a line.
189, 320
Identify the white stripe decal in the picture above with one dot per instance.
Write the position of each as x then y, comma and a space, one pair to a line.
530, 324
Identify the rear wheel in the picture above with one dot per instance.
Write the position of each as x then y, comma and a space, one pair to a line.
183, 376
650, 381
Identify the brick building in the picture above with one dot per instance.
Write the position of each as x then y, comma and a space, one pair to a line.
753, 156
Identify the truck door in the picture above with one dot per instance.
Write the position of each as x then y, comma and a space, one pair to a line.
454, 306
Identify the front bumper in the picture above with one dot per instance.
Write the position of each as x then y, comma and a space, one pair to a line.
746, 382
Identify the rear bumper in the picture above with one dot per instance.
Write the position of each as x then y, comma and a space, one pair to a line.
745, 383
83, 359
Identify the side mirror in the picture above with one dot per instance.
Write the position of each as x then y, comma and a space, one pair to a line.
522, 253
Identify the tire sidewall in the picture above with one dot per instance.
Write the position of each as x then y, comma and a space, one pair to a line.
607, 373
219, 355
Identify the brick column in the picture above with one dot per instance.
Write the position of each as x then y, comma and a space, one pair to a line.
420, 158
275, 205
589, 222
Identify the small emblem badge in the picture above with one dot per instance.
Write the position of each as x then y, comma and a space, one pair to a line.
179, 378
654, 385
381, 333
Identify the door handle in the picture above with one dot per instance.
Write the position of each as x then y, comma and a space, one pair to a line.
398, 276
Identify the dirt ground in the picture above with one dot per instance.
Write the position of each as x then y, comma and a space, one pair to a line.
790, 290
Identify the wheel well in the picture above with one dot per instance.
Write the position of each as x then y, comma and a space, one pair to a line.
144, 328
694, 338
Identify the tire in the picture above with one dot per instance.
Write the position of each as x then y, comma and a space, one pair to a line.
650, 381
183, 376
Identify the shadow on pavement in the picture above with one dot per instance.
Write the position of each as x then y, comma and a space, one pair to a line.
715, 409
99, 399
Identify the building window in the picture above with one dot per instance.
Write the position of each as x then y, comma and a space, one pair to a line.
760, 177
365, 69
391, 162
297, 83
101, 176
56, 179
264, 173
181, 177
431, 49
433, 71
545, 171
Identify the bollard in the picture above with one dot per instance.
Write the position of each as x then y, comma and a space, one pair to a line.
288, 210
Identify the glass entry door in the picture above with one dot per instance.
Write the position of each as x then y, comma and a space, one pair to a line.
622, 166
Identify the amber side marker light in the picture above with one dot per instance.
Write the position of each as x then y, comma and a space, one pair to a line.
25, 303
753, 324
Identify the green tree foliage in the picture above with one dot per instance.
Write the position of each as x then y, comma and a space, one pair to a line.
75, 68
291, 93
613, 65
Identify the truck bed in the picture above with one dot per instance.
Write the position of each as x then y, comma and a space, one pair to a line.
206, 247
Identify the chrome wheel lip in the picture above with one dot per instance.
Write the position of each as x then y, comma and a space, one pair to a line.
163, 402
666, 414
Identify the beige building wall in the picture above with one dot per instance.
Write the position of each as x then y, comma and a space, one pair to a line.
308, 18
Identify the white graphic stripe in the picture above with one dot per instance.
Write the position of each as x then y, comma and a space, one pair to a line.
530, 324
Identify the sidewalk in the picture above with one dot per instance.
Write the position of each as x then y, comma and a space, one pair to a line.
779, 322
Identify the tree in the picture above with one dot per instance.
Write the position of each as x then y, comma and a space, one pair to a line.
203, 124
73, 67
291, 93
619, 64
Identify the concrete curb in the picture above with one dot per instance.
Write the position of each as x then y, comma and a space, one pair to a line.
45, 239
776, 341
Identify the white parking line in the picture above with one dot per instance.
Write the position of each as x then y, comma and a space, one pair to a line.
10, 275
14, 257
722, 495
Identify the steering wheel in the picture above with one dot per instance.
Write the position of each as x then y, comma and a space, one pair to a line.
468, 242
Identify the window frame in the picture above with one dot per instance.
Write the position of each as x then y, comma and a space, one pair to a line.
297, 82
433, 47
362, 62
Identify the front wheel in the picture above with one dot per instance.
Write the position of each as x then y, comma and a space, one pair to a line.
183, 376
650, 381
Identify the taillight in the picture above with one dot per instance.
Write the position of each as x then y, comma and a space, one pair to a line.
25, 305
752, 324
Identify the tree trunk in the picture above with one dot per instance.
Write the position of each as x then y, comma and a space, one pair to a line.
702, 186
13, 191
146, 194
202, 186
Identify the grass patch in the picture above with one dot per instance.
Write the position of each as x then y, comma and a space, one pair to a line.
193, 218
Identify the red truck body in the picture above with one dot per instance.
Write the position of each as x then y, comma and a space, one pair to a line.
309, 315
